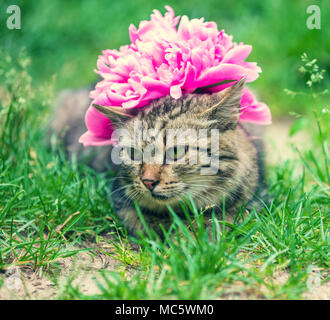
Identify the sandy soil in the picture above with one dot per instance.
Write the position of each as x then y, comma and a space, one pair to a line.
84, 268
80, 271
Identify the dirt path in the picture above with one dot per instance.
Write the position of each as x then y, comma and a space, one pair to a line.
85, 267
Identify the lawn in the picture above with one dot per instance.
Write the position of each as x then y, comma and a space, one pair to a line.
53, 210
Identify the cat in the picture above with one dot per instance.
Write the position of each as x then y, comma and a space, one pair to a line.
239, 177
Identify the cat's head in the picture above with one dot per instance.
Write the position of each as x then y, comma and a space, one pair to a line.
165, 154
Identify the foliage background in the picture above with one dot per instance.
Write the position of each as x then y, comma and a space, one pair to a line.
65, 38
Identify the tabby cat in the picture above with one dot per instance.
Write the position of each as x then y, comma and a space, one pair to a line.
156, 185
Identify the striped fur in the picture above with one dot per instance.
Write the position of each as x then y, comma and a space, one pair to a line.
239, 160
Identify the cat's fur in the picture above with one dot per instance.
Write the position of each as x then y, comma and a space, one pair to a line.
238, 179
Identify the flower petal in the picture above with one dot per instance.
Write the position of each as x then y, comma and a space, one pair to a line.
164, 59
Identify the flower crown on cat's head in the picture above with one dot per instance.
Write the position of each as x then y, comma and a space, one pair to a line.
164, 59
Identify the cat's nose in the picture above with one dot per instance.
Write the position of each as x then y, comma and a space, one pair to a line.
150, 184
150, 175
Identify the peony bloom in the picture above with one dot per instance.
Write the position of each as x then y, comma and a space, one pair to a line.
169, 57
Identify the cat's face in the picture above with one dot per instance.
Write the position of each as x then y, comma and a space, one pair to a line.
176, 147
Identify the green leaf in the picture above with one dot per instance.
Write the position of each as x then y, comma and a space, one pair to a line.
297, 126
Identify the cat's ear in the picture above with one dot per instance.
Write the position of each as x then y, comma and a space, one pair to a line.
224, 106
117, 115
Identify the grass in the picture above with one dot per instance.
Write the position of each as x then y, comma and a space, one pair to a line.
49, 207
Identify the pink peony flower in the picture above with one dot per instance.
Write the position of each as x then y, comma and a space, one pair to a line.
254, 111
166, 57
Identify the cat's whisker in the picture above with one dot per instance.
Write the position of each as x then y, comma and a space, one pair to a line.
206, 199
119, 189
118, 177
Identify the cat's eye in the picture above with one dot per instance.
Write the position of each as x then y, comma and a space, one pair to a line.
134, 154
176, 153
